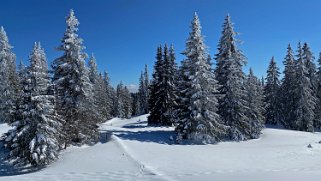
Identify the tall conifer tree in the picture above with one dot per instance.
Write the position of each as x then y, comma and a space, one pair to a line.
287, 87
230, 76
304, 103
37, 135
9, 79
203, 124
73, 87
271, 93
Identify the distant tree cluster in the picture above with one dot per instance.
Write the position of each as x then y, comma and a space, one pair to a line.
123, 102
50, 110
140, 104
294, 101
209, 105
206, 105
162, 88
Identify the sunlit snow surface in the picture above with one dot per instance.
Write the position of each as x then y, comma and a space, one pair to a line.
129, 150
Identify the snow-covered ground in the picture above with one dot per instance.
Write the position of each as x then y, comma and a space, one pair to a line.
129, 150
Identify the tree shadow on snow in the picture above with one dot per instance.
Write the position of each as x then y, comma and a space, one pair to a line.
157, 136
104, 136
274, 126
129, 126
139, 124
7, 169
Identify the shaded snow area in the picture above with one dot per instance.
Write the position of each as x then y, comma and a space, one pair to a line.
129, 150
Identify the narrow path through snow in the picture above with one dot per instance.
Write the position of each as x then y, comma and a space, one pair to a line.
107, 160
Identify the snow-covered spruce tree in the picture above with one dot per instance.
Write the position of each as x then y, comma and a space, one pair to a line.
119, 109
73, 87
135, 104
9, 79
37, 134
104, 103
101, 98
317, 117
181, 109
146, 91
18, 109
127, 102
287, 87
230, 76
124, 102
271, 94
93, 72
163, 88
141, 94
99, 91
170, 81
17, 113
254, 104
93, 76
308, 60
153, 101
167, 89
262, 82
304, 103
21, 72
110, 95
143, 91
203, 124
146, 81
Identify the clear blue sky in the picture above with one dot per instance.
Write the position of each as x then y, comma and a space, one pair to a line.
124, 34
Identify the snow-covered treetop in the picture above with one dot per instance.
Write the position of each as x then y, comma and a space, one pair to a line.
4, 41
251, 74
93, 72
92, 63
308, 60
299, 52
272, 60
195, 42
228, 43
38, 57
196, 26
273, 73
71, 43
3, 35
172, 52
307, 51
106, 77
289, 58
72, 21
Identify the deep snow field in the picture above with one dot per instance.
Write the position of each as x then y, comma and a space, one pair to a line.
129, 150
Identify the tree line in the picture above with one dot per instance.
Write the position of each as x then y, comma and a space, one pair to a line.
208, 105
52, 108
